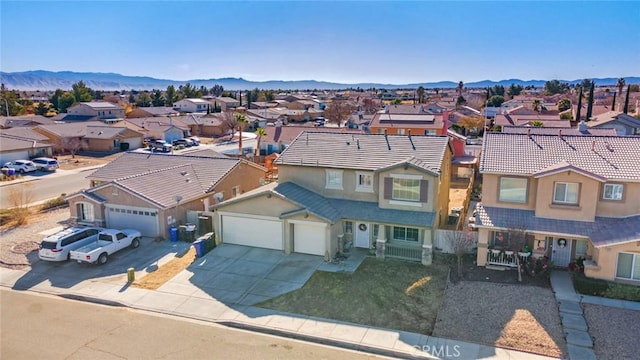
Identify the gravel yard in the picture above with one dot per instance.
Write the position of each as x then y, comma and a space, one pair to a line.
614, 331
17, 244
517, 317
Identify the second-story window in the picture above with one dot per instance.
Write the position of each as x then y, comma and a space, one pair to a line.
612, 191
406, 189
513, 190
566, 193
364, 182
334, 179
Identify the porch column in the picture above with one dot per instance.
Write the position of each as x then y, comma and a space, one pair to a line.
427, 254
381, 243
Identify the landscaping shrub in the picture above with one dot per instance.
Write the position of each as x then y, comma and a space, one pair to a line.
623, 291
53, 203
588, 286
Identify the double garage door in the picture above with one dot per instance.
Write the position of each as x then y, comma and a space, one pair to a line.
141, 219
308, 238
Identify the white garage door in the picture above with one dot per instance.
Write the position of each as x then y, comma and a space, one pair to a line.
134, 143
247, 231
309, 238
141, 219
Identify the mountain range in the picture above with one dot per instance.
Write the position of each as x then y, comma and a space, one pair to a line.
49, 80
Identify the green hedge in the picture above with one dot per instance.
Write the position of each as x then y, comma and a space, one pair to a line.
608, 289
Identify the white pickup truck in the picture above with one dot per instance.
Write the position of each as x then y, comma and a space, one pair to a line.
108, 242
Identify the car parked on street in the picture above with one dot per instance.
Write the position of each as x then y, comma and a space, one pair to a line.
46, 164
160, 145
21, 166
57, 247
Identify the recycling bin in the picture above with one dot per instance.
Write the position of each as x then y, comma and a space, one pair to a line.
199, 245
173, 234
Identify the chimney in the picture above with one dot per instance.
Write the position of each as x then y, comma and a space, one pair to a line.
582, 126
445, 121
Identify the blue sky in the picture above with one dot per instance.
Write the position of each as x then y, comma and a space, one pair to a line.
347, 42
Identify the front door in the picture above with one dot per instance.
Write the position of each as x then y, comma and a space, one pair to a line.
362, 235
561, 252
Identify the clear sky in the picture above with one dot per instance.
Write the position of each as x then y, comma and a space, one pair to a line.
348, 42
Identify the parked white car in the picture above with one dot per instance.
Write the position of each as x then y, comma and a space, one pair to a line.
21, 166
56, 247
46, 164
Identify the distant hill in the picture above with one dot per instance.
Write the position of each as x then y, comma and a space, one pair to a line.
48, 80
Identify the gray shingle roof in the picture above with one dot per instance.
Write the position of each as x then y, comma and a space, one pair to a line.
207, 171
610, 157
26, 133
603, 231
78, 129
10, 143
336, 209
103, 132
366, 152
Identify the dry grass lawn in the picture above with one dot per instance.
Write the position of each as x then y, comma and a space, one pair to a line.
67, 162
164, 273
517, 317
393, 294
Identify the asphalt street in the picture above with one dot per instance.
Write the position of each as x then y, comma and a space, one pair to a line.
35, 326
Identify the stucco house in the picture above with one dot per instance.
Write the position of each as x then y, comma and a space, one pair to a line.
279, 137
405, 119
22, 144
94, 110
336, 190
168, 128
622, 123
112, 138
7, 122
225, 103
152, 111
193, 105
574, 196
151, 193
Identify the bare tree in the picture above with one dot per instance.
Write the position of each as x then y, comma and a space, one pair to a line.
462, 242
20, 196
517, 237
71, 144
229, 122
338, 111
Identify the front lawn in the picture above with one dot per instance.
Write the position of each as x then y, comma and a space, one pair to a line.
391, 293
608, 289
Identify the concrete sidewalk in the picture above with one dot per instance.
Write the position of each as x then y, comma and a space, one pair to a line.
192, 302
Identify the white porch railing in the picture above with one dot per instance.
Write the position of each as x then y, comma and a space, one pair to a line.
505, 258
403, 252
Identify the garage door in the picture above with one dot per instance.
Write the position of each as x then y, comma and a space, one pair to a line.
309, 238
134, 143
141, 219
247, 231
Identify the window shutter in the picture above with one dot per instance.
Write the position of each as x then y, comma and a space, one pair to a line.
388, 187
424, 191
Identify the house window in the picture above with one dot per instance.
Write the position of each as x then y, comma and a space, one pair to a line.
612, 191
628, 266
235, 191
581, 249
348, 227
400, 132
376, 230
406, 189
499, 239
334, 179
405, 234
513, 190
114, 191
565, 193
364, 181
84, 211
430, 132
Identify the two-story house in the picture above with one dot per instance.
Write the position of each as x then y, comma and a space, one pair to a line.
405, 119
337, 190
193, 105
94, 110
573, 196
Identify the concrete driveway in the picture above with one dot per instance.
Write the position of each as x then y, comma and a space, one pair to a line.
235, 274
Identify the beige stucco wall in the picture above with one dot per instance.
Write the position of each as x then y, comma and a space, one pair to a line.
442, 191
246, 176
100, 145
122, 197
98, 209
629, 205
606, 259
314, 179
490, 192
587, 198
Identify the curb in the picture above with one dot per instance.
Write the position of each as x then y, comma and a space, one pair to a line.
92, 300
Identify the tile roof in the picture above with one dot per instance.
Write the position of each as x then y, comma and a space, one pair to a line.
613, 116
366, 152
610, 157
286, 134
159, 110
604, 231
521, 120
207, 170
106, 132
159, 123
10, 143
555, 130
25, 133
76, 129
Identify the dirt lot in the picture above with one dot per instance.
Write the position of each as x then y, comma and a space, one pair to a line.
164, 273
614, 331
67, 162
517, 317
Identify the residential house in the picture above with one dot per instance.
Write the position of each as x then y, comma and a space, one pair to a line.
405, 119
112, 138
522, 116
339, 190
205, 125
153, 111
66, 136
192, 105
23, 143
582, 129
622, 123
95, 110
574, 196
225, 103
7, 122
596, 109
279, 137
168, 128
151, 192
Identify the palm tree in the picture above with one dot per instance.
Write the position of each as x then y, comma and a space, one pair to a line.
460, 87
260, 132
536, 105
241, 121
420, 92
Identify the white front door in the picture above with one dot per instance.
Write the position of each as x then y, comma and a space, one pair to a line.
362, 235
561, 252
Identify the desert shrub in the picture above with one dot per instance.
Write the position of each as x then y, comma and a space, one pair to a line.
54, 203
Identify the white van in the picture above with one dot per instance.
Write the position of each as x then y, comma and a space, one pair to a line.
56, 247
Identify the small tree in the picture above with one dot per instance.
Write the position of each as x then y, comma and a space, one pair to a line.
338, 111
241, 122
462, 242
471, 123
72, 144
537, 123
20, 196
517, 237
564, 104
